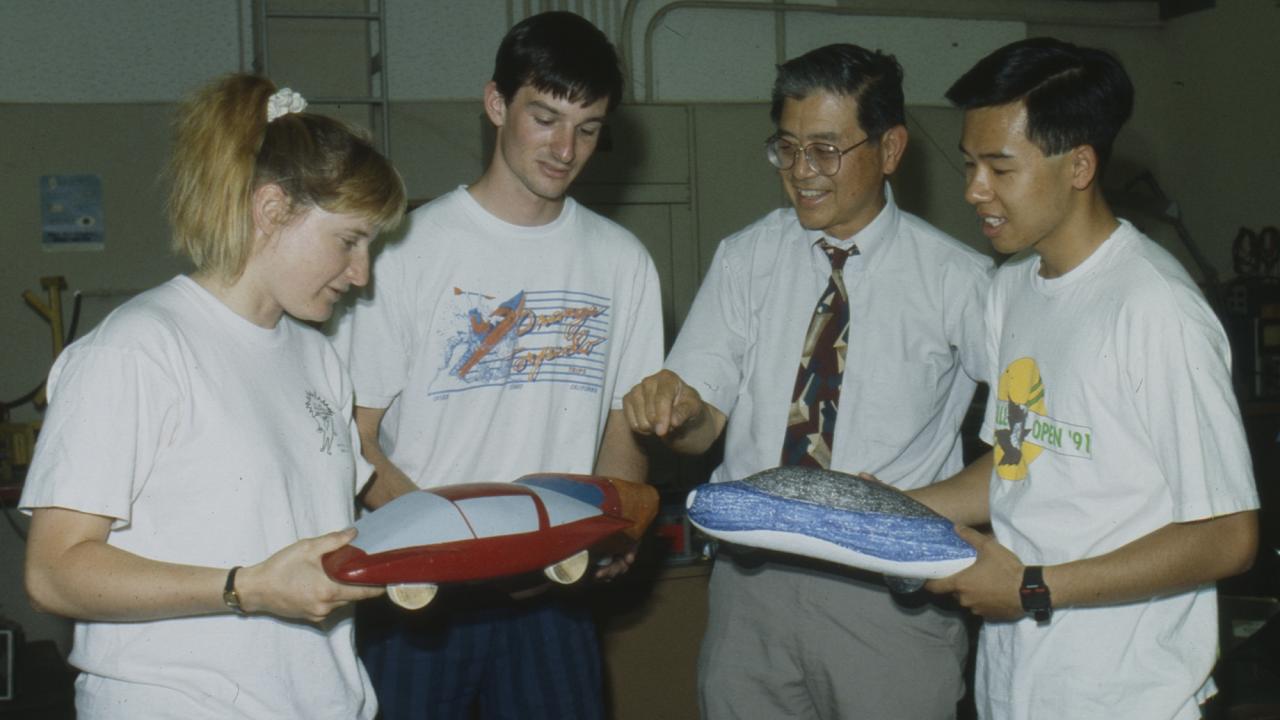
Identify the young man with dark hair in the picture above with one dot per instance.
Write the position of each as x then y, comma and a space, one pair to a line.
499, 340
843, 279
1119, 487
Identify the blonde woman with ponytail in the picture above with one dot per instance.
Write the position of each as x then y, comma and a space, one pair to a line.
197, 457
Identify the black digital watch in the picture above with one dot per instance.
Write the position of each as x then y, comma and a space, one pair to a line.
1035, 594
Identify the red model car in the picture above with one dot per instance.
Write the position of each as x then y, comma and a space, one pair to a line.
482, 531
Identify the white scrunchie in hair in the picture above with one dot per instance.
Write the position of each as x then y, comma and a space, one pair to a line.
283, 102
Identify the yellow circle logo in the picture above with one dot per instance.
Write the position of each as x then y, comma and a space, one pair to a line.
1021, 392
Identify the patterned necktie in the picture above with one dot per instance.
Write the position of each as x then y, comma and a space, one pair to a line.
812, 417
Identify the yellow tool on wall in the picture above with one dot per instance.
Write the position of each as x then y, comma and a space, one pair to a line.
53, 314
17, 440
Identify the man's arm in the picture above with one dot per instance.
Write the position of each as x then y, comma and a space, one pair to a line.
664, 406
621, 457
962, 498
620, 454
1175, 557
388, 482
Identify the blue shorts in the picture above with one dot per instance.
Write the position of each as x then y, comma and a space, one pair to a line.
479, 655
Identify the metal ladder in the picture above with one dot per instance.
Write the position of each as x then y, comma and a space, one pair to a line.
375, 21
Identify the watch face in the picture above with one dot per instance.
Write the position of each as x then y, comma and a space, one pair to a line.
1035, 594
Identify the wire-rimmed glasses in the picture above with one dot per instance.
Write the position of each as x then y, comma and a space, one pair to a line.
822, 158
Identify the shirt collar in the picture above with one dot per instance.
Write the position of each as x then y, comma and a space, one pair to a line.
872, 239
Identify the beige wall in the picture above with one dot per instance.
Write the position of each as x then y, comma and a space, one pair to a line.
1208, 95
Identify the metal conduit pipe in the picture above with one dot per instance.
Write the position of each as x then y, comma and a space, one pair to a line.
1128, 14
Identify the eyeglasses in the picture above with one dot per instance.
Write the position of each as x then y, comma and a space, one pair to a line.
822, 158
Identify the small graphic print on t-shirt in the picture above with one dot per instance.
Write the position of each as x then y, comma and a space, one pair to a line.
1023, 426
322, 413
533, 336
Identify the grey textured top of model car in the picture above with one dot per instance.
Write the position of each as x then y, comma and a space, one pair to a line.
836, 490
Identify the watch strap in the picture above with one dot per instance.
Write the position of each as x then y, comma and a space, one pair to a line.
229, 594
1036, 599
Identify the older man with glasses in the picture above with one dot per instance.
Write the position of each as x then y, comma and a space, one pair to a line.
840, 333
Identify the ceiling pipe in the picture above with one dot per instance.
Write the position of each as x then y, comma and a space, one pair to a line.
1053, 12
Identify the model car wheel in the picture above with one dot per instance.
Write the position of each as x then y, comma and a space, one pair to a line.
412, 596
570, 570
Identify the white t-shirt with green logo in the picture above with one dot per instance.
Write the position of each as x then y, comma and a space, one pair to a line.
1112, 415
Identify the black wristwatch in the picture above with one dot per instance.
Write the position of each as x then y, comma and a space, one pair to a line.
1035, 594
